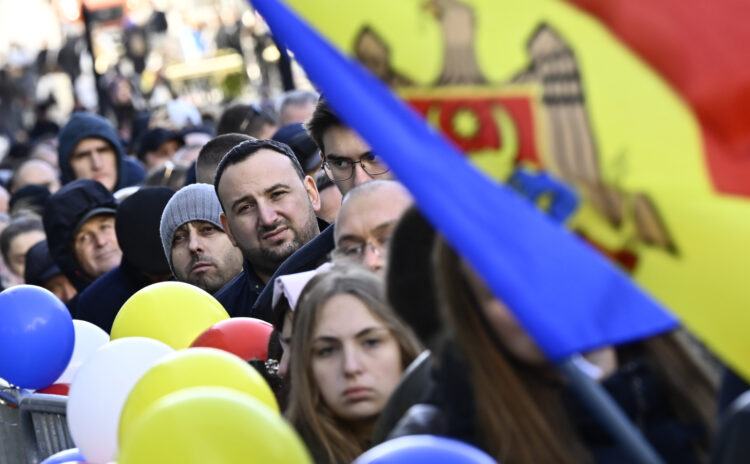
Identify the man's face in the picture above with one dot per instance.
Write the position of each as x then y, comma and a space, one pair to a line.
269, 211
18, 248
61, 287
95, 159
160, 156
96, 246
202, 255
343, 143
365, 223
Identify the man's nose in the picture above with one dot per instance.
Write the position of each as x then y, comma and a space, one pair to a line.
194, 243
267, 214
96, 161
360, 175
373, 257
101, 239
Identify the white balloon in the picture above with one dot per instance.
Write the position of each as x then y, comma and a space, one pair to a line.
89, 338
100, 388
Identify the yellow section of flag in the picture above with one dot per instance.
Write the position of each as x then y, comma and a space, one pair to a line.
599, 119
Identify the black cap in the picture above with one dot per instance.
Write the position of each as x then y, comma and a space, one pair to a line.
301, 143
91, 213
40, 267
152, 140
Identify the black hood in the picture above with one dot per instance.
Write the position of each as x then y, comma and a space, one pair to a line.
137, 227
62, 214
83, 125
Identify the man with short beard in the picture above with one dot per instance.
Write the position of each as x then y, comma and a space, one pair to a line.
269, 207
198, 250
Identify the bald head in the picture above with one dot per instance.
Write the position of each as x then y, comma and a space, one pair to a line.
35, 172
366, 218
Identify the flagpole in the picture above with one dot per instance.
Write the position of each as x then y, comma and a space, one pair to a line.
609, 414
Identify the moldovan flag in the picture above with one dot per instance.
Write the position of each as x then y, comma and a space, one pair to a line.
640, 108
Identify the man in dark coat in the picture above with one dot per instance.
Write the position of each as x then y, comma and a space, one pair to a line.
269, 207
348, 161
79, 224
143, 262
90, 149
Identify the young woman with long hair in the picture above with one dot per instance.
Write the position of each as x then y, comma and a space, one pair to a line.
523, 412
349, 351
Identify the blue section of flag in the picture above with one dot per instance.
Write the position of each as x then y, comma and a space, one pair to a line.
564, 293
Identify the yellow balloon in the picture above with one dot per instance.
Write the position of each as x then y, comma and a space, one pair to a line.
216, 425
193, 367
172, 312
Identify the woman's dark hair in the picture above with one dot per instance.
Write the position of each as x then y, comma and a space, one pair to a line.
518, 408
409, 286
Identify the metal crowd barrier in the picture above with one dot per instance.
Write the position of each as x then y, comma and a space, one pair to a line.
32, 426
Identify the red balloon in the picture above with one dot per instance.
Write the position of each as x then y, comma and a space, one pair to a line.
56, 389
245, 337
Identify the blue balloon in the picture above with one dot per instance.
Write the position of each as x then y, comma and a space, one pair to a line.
65, 457
36, 336
424, 449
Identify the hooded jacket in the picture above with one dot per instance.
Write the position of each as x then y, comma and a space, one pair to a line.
137, 228
62, 213
87, 125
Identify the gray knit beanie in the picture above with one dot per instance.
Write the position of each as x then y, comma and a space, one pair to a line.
195, 202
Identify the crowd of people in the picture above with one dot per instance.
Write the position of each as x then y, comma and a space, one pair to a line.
381, 329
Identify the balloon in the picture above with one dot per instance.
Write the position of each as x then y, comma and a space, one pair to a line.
245, 337
36, 336
99, 391
192, 368
211, 424
89, 338
65, 456
424, 449
61, 389
172, 312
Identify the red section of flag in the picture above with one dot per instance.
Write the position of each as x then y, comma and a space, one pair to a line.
701, 48
488, 134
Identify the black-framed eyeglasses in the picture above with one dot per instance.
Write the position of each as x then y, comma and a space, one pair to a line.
343, 168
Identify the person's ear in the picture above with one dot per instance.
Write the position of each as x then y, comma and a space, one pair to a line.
226, 228
312, 192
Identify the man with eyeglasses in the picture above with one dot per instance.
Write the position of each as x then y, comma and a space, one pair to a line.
347, 159
366, 219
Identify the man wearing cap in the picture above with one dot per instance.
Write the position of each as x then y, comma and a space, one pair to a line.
79, 221
304, 148
42, 271
90, 149
194, 242
142, 264
158, 146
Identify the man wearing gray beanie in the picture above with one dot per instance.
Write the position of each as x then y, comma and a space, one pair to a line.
197, 248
